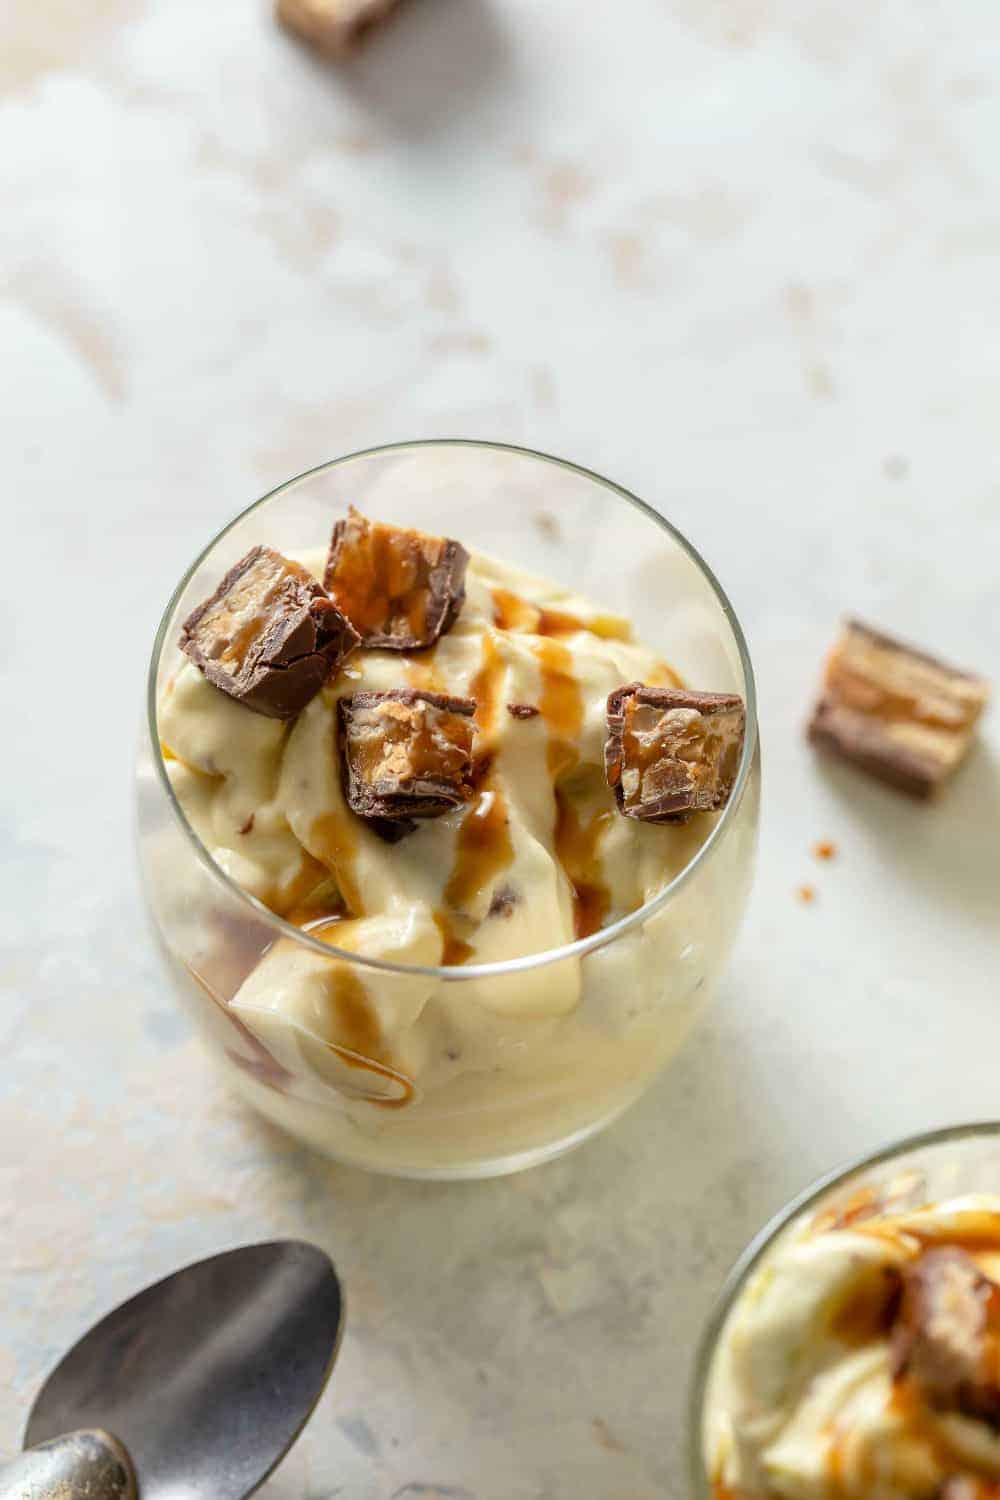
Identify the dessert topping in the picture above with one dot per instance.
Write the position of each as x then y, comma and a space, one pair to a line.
400, 589
671, 753
405, 755
269, 636
946, 1339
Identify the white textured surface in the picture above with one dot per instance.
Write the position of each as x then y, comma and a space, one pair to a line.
739, 254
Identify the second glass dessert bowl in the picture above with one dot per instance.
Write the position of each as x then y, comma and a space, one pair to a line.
481, 986
855, 1350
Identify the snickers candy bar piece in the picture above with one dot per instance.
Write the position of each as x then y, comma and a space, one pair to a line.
405, 755
400, 589
333, 27
670, 753
946, 1338
269, 636
896, 712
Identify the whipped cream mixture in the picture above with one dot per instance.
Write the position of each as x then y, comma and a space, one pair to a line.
816, 1392
537, 858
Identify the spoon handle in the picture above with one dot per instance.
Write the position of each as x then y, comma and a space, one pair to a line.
91, 1464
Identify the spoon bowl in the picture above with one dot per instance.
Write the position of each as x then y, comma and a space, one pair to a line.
208, 1376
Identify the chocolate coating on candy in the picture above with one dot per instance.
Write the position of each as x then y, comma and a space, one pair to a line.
898, 713
400, 589
405, 755
671, 753
269, 636
946, 1340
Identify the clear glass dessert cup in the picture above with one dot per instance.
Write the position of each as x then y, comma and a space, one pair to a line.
936, 1165
640, 982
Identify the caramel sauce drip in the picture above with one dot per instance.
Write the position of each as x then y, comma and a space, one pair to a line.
978, 1234
484, 842
484, 847
576, 845
454, 949
485, 685
360, 1037
835, 1461
560, 703
336, 839
356, 1025
978, 1231
511, 612
557, 622
313, 898
381, 578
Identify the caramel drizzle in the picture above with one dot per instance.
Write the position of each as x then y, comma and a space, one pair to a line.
560, 704
313, 898
485, 685
484, 847
484, 850
576, 843
980, 1235
335, 837
360, 1041
454, 950
360, 1044
577, 846
511, 612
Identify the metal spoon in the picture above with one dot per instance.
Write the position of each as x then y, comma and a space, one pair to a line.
206, 1379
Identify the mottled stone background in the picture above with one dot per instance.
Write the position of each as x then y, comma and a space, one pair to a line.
739, 254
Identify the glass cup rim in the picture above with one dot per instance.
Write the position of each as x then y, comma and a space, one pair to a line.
754, 1252
452, 972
